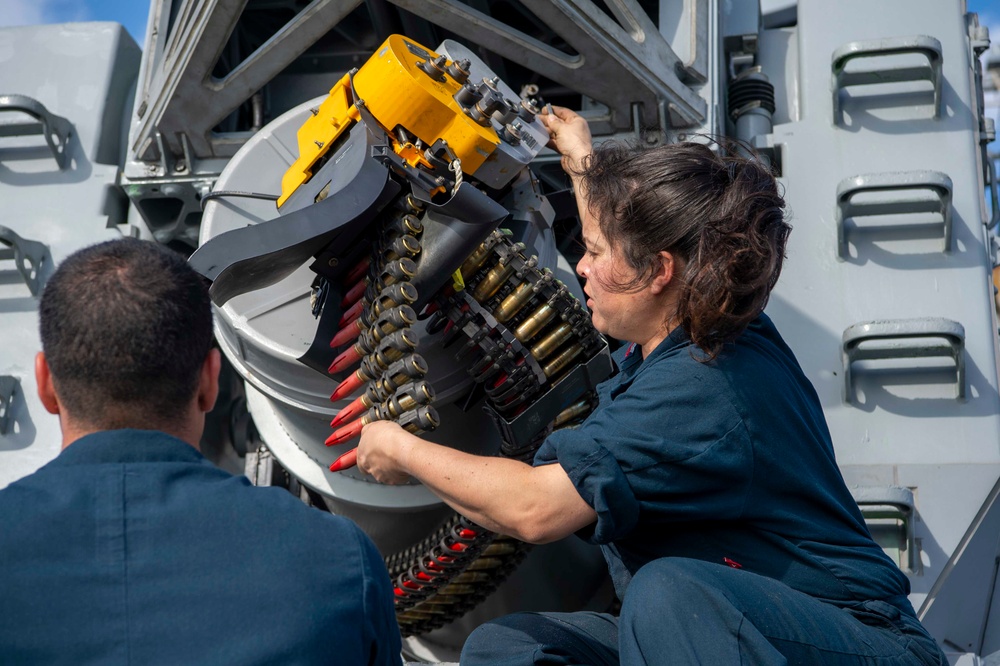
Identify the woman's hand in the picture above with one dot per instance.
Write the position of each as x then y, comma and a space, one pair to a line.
381, 450
569, 135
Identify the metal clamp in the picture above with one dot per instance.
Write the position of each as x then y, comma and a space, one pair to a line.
904, 338
28, 257
923, 45
891, 503
56, 129
994, 197
8, 386
908, 184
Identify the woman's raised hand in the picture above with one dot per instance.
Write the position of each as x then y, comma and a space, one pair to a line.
569, 135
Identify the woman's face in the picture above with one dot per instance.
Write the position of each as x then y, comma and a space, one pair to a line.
623, 316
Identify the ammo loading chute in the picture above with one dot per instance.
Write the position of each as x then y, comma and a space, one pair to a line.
409, 180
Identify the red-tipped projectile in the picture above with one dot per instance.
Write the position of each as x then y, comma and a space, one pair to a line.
347, 387
346, 334
349, 459
348, 413
345, 433
352, 314
358, 271
355, 292
347, 358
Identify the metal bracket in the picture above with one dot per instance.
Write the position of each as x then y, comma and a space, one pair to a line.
923, 45
584, 377
891, 503
616, 65
904, 338
8, 386
56, 129
28, 257
893, 181
994, 196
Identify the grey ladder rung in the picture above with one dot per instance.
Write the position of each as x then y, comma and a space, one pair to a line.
29, 257
8, 386
55, 129
904, 338
891, 503
923, 45
905, 188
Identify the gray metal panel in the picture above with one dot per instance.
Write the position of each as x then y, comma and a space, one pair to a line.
907, 428
83, 72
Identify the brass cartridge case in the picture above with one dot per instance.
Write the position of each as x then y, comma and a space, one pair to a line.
544, 347
530, 327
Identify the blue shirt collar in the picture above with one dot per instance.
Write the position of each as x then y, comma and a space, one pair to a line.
633, 352
126, 446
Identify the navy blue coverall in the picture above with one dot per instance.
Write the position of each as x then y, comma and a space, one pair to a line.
727, 527
132, 548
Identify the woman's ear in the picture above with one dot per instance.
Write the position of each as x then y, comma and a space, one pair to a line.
664, 272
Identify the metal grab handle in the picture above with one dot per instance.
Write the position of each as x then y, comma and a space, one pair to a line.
48, 124
923, 45
907, 184
28, 257
904, 338
892, 503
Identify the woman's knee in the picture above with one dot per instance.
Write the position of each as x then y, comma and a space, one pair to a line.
670, 589
505, 636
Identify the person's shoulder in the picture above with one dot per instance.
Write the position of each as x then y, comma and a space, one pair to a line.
296, 515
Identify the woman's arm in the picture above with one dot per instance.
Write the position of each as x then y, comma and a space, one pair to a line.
569, 135
533, 504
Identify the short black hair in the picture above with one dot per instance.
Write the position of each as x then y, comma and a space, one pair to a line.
126, 326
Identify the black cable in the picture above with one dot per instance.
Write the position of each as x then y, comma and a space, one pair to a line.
218, 194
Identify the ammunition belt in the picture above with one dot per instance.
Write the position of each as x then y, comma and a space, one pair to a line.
518, 331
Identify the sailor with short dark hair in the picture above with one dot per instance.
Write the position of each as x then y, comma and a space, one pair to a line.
130, 546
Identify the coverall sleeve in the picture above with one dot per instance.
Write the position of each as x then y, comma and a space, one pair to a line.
670, 442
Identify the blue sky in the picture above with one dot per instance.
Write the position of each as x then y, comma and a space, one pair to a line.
130, 13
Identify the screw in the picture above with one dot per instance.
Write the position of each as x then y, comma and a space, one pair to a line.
332, 263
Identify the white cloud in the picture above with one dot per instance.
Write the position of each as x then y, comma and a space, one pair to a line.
22, 12
34, 12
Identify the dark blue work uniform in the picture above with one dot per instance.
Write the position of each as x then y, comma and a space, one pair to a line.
728, 529
131, 548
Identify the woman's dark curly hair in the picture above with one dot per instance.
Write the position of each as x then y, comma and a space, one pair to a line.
720, 213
